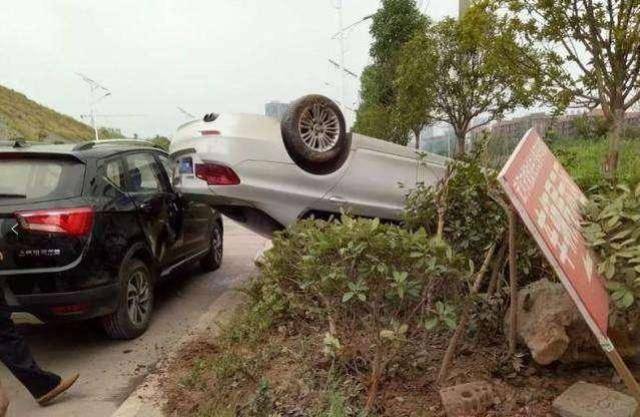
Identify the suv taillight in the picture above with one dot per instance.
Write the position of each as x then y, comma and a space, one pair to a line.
215, 174
72, 222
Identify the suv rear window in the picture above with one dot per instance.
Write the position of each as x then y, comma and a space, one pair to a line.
38, 179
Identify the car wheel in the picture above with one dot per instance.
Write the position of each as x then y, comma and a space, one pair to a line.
213, 258
133, 314
314, 134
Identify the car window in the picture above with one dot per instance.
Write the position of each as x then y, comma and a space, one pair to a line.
27, 179
167, 165
115, 173
143, 173
169, 168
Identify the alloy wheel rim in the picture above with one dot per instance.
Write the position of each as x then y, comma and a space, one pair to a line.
138, 298
319, 127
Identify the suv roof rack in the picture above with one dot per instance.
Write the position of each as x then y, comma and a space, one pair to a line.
113, 142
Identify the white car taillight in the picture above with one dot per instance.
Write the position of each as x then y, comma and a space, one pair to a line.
210, 132
215, 174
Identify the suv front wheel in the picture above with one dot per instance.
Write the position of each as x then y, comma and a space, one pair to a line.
133, 315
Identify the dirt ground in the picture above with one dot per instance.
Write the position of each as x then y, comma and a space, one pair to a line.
298, 377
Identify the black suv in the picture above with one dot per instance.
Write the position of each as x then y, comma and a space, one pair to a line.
87, 231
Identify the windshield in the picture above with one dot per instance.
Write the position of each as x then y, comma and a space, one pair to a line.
24, 180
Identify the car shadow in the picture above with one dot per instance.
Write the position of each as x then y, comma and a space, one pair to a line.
89, 332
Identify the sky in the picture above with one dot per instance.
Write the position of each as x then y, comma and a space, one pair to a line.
202, 55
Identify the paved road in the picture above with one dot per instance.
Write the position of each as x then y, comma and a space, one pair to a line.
110, 370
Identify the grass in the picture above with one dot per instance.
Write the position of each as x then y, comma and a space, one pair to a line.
337, 404
583, 159
193, 379
217, 411
23, 118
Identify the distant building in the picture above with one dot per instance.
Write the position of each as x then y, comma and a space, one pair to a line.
562, 126
275, 109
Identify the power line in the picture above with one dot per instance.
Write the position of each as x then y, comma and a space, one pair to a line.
340, 67
186, 113
424, 7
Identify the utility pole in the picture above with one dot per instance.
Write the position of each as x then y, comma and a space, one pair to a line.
463, 6
93, 87
343, 84
341, 36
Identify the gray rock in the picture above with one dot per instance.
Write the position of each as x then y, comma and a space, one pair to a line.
544, 313
590, 400
552, 328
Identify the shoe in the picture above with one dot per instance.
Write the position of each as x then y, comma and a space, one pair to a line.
62, 387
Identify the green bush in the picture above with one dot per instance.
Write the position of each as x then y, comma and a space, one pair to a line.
368, 283
473, 220
590, 127
354, 268
498, 150
612, 229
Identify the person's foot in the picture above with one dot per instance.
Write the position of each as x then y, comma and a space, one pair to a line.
64, 385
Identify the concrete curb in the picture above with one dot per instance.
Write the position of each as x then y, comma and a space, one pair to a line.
144, 400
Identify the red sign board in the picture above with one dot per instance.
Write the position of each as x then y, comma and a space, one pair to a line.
549, 202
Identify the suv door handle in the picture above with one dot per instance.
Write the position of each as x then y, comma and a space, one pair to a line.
337, 199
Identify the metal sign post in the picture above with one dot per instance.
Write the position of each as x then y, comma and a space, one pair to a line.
549, 203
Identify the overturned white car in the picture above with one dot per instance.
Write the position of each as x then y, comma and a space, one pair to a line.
267, 173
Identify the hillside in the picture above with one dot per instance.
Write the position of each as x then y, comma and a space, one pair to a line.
21, 117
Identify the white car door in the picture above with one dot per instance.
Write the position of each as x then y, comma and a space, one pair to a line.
377, 181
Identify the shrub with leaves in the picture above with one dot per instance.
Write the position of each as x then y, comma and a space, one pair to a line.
371, 284
473, 220
612, 230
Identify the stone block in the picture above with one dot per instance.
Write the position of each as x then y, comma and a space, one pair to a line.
589, 400
467, 399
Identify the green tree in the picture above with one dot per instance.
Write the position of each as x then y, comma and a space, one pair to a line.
375, 120
393, 25
416, 86
460, 67
593, 55
110, 133
162, 142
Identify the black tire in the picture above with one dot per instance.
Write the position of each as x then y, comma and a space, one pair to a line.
213, 259
122, 324
315, 135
